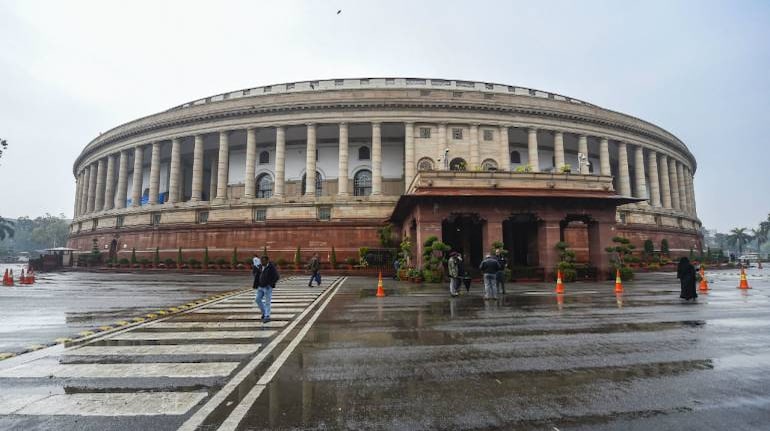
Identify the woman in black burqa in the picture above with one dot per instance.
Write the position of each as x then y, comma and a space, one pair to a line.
685, 272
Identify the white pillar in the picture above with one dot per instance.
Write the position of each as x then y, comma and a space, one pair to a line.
558, 150
213, 178
475, 162
78, 188
639, 175
376, 159
174, 180
251, 163
534, 160
442, 142
624, 181
197, 174
691, 183
342, 163
665, 184
505, 150
280, 160
100, 175
86, 186
223, 165
310, 161
154, 174
684, 206
136, 189
583, 148
604, 157
408, 154
677, 203
120, 195
109, 184
652, 160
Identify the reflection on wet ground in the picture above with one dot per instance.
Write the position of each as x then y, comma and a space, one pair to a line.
418, 359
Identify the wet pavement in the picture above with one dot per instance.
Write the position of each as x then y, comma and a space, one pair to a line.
61, 305
591, 360
340, 358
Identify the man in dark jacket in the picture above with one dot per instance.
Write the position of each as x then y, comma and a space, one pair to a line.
267, 279
502, 262
489, 266
315, 266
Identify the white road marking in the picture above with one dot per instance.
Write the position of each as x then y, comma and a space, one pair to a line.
218, 325
45, 368
163, 349
193, 335
115, 404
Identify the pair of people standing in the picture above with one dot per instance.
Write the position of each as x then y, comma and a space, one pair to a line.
265, 278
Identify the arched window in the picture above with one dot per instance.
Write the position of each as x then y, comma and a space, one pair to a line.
318, 184
515, 157
264, 186
425, 164
264, 158
362, 183
363, 153
489, 165
457, 164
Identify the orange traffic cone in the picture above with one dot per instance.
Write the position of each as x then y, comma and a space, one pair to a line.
10, 278
380, 290
704, 284
618, 282
744, 282
559, 283
5, 278
22, 277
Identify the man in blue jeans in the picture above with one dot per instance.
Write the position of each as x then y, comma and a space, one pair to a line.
267, 279
489, 267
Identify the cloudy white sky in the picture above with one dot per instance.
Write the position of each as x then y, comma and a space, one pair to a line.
700, 69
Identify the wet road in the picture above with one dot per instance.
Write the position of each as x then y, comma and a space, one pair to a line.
61, 305
420, 360
339, 358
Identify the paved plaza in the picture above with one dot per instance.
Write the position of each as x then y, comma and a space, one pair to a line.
337, 357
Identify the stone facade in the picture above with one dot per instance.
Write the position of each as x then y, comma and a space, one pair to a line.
262, 166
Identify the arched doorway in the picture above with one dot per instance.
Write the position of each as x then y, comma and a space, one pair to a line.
457, 164
463, 233
520, 238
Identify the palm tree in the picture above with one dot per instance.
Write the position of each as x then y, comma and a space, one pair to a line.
760, 237
740, 237
6, 228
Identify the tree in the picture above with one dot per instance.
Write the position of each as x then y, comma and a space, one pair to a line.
434, 257
298, 258
6, 228
179, 260
385, 234
566, 262
3, 147
738, 237
234, 258
333, 258
622, 256
205, 258
156, 257
664, 247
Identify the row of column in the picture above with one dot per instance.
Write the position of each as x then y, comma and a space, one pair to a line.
671, 183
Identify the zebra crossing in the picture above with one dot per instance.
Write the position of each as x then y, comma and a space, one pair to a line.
162, 371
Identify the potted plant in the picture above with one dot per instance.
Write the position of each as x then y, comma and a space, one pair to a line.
205, 264
281, 262
565, 168
298, 259
523, 169
333, 258
179, 260
234, 259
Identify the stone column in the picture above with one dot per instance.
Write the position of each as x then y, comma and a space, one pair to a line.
109, 187
91, 188
505, 151
599, 235
251, 163
677, 204
78, 188
213, 178
310, 160
665, 185
154, 174
136, 190
691, 182
442, 142
223, 165
100, 176
624, 182
408, 154
534, 161
652, 160
197, 173
280, 161
683, 204
639, 175
84, 192
122, 181
342, 163
558, 150
475, 162
174, 194
376, 159
548, 234
604, 157
583, 148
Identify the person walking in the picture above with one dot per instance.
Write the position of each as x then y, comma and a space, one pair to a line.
502, 261
685, 272
268, 276
454, 273
315, 266
489, 268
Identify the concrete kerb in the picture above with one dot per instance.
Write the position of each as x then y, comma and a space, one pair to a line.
102, 331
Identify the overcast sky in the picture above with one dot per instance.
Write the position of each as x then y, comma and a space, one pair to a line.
69, 70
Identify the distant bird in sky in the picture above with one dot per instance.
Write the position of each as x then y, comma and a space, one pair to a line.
339, 11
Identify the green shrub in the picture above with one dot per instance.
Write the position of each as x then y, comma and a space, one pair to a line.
333, 259
133, 256
206, 257
179, 259
124, 261
169, 262
234, 257
298, 258
221, 261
